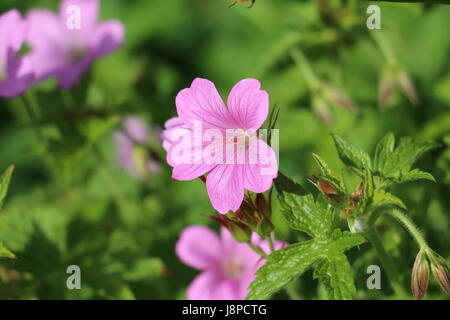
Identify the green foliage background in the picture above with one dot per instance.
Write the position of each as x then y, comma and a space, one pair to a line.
71, 203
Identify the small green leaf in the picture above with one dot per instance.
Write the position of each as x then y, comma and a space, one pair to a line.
301, 211
351, 155
414, 175
384, 149
5, 252
4, 183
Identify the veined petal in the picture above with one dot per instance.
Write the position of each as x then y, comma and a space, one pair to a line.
225, 187
199, 247
202, 102
248, 104
261, 167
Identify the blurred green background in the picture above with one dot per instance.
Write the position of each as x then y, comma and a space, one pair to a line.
71, 203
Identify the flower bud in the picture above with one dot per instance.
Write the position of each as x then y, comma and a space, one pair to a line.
407, 87
263, 205
385, 90
240, 232
420, 275
264, 228
440, 271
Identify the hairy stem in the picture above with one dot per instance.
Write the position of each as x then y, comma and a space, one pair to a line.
411, 227
388, 266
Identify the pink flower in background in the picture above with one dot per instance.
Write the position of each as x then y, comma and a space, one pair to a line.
130, 145
228, 267
248, 107
63, 48
15, 72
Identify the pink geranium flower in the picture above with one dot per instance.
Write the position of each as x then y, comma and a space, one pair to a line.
228, 267
201, 106
135, 133
15, 71
64, 48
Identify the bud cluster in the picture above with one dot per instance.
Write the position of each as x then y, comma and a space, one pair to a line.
254, 215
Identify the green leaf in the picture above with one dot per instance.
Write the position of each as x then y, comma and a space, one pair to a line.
393, 164
336, 276
285, 265
351, 155
368, 187
301, 211
5, 252
4, 183
383, 150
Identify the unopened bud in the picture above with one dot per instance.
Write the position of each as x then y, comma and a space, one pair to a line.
264, 228
385, 90
420, 275
322, 109
240, 232
338, 97
440, 271
407, 87
263, 205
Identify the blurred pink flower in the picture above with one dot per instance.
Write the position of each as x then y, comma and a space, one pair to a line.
60, 47
135, 132
15, 71
228, 267
247, 110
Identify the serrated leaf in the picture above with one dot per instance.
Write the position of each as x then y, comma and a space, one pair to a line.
285, 265
384, 149
5, 252
414, 175
336, 275
351, 155
301, 211
4, 183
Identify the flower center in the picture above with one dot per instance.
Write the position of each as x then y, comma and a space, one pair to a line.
241, 138
77, 54
234, 269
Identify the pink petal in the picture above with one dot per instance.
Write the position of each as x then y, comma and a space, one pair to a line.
19, 75
88, 13
107, 37
71, 73
173, 130
186, 157
248, 104
136, 129
210, 286
225, 187
259, 172
202, 102
47, 43
199, 247
12, 33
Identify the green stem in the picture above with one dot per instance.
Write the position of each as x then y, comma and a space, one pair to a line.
33, 119
388, 266
258, 250
271, 240
305, 67
411, 227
